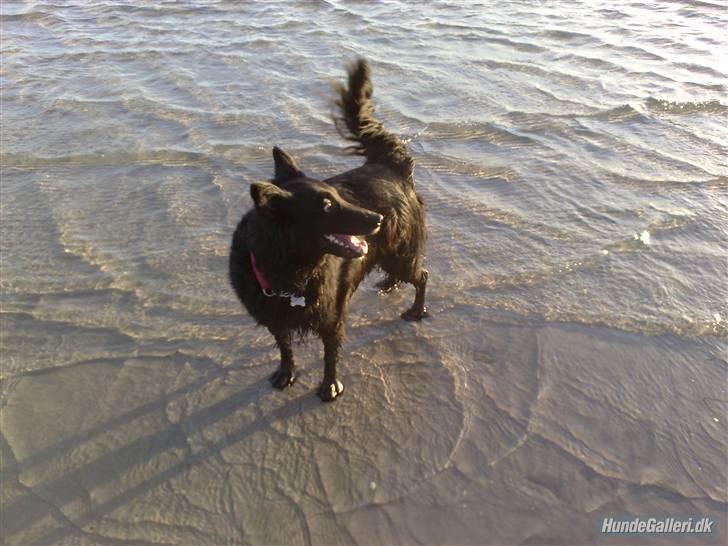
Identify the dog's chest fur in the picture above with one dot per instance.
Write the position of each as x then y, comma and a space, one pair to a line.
326, 287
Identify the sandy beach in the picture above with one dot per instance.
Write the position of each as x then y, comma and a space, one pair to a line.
525, 434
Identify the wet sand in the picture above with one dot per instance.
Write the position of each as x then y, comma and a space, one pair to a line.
525, 434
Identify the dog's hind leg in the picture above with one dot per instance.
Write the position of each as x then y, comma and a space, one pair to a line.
285, 375
331, 387
418, 310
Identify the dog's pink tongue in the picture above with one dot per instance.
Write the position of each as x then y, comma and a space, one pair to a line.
354, 242
363, 245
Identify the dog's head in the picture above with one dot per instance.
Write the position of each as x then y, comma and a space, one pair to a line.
315, 216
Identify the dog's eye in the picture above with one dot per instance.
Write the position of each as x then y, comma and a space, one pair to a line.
327, 204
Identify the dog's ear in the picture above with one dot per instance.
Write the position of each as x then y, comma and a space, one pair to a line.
285, 166
269, 195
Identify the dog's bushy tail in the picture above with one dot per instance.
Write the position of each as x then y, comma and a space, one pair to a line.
358, 125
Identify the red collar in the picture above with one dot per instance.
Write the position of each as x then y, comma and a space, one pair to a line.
294, 300
262, 281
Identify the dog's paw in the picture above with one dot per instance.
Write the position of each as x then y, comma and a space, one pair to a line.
413, 314
282, 378
329, 390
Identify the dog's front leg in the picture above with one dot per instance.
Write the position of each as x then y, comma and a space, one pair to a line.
285, 375
331, 387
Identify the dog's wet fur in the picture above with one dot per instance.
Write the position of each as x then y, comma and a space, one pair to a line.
291, 234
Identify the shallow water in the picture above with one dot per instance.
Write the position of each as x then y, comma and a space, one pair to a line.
574, 162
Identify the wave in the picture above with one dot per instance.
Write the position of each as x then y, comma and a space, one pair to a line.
719, 182
567, 36
699, 4
595, 63
674, 107
694, 67
487, 132
624, 112
165, 157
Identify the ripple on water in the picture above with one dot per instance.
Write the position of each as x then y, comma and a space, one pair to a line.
675, 107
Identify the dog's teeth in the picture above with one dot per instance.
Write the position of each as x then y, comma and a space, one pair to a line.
349, 242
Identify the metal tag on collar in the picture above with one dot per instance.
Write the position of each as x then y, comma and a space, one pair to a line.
294, 301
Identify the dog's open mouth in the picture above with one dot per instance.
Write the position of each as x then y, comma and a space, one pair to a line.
346, 246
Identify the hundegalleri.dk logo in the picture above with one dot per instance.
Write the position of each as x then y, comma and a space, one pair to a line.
634, 525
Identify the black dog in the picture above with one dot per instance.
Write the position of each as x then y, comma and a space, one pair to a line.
299, 255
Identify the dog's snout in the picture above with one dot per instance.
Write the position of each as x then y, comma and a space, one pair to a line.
378, 218
377, 221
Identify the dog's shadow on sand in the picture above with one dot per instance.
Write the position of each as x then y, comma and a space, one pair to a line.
48, 498
65, 496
